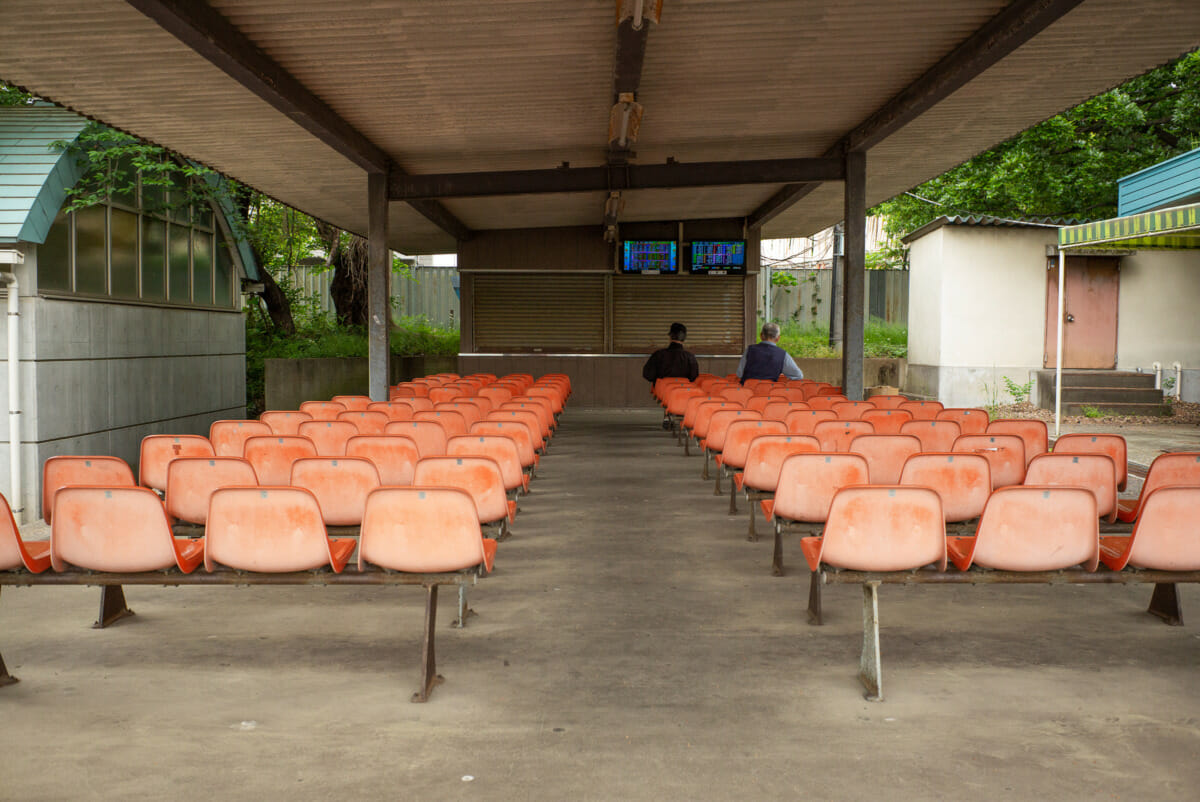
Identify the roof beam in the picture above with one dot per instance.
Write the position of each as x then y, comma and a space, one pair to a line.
1001, 35
209, 34
613, 178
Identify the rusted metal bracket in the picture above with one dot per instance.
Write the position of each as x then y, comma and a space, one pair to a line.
814, 598
112, 606
777, 557
732, 495
1164, 603
429, 675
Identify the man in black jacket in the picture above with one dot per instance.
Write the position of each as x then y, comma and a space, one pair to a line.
674, 360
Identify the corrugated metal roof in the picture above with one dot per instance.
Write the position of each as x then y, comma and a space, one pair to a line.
458, 86
1172, 182
984, 220
34, 175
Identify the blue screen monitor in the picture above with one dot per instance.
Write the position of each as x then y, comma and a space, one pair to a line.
651, 257
718, 257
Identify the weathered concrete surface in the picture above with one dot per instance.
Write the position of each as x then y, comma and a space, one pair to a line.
631, 645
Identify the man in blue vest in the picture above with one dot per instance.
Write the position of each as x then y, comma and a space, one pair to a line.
766, 360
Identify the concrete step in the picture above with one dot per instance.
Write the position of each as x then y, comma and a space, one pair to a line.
1111, 395
1098, 378
1152, 410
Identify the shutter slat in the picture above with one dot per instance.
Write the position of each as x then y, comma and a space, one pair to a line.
712, 309
524, 312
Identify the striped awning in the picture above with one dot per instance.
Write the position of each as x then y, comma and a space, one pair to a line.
1164, 230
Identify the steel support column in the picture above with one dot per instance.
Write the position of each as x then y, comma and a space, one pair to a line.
379, 272
854, 274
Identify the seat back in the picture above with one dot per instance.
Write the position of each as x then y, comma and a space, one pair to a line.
266, 530
329, 436
1164, 537
704, 416
885, 455
887, 401
272, 457
1111, 444
353, 402
452, 422
113, 529
1182, 468
884, 529
836, 435
501, 449
430, 437
1004, 452
366, 421
851, 410
518, 431
793, 394
541, 414
922, 410
962, 481
816, 389
421, 530
971, 421
765, 456
527, 416
284, 422
394, 410
779, 408
741, 434
59, 472
14, 553
393, 455
887, 421
718, 426
191, 481
466, 408
827, 401
738, 395
692, 406
322, 410
479, 476
158, 450
1033, 528
808, 482
1093, 471
677, 398
340, 484
228, 436
804, 421
1032, 432
935, 435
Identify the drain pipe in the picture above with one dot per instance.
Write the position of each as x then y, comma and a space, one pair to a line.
1157, 375
14, 383
1178, 380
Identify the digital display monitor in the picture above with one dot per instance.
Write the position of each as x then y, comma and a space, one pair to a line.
718, 257
649, 256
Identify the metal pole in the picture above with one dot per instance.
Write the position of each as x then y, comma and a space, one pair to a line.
835, 289
767, 310
379, 270
1058, 359
854, 274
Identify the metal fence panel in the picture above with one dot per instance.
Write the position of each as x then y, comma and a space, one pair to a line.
432, 292
808, 300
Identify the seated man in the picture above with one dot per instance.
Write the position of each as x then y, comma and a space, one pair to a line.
766, 360
672, 361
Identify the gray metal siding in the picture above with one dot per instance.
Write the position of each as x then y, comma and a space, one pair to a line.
1170, 183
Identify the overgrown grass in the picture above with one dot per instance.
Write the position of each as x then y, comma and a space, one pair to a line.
880, 339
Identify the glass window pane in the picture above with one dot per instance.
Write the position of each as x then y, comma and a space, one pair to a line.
202, 268
202, 215
124, 254
180, 211
54, 256
90, 256
125, 182
179, 281
224, 272
154, 198
154, 259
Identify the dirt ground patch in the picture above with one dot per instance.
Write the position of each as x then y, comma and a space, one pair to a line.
1182, 413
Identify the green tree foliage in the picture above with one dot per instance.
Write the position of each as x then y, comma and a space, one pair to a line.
1067, 166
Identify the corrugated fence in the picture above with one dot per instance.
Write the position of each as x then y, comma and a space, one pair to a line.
808, 300
432, 292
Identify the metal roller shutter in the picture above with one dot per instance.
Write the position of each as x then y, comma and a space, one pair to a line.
539, 312
713, 309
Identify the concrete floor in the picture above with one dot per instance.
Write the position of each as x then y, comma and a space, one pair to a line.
631, 645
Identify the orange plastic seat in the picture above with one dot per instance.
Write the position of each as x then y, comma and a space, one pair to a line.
191, 482
419, 404
935, 435
430, 437
270, 530
836, 435
851, 410
329, 436
527, 416
739, 395
501, 449
32, 555
719, 423
776, 408
453, 423
353, 402
284, 422
466, 408
1033, 432
393, 455
1092, 471
322, 410
518, 431
498, 395
366, 421
1180, 468
804, 421
229, 436
423, 530
1004, 452
117, 530
971, 421
887, 421
479, 476
807, 484
158, 450
340, 484
825, 401
962, 481
922, 410
885, 455
676, 399
59, 472
793, 394
880, 529
692, 406
816, 389
272, 457
394, 410
704, 416
887, 401
439, 395
1032, 528
740, 435
545, 418
1111, 444
1164, 537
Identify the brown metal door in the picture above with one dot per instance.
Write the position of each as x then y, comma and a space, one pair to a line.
1091, 289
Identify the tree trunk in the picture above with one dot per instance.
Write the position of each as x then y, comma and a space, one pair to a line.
278, 306
349, 286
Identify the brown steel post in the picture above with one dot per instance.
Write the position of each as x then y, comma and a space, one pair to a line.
112, 606
429, 675
1164, 603
814, 599
777, 558
854, 274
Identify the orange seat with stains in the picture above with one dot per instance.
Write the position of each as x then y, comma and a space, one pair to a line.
272, 457
1092, 471
836, 435
423, 530
191, 481
284, 422
807, 485
1164, 537
430, 437
935, 435
804, 421
158, 450
366, 421
884, 528
885, 455
1111, 444
1032, 432
322, 410
270, 530
971, 421
501, 449
922, 410
887, 401
452, 422
229, 436
851, 410
62, 471
32, 555
520, 434
1032, 528
394, 410
340, 484
1004, 452
1181, 468
887, 421
353, 402
481, 477
393, 455
117, 530
329, 436
962, 481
